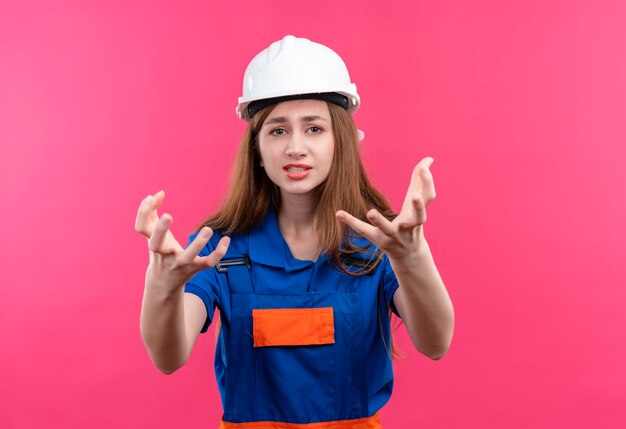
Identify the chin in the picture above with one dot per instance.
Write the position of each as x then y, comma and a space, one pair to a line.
298, 188
297, 191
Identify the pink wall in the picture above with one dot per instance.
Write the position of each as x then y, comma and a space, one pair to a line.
521, 103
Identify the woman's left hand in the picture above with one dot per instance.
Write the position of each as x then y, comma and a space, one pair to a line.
403, 236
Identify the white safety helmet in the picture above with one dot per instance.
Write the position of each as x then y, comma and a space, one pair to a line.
294, 68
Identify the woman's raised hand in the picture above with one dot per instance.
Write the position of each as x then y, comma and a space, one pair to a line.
404, 235
171, 266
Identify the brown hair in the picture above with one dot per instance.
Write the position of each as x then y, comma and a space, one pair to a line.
347, 188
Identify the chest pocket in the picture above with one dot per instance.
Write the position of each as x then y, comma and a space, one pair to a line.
293, 326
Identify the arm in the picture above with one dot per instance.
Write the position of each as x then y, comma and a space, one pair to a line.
171, 319
421, 300
169, 325
423, 303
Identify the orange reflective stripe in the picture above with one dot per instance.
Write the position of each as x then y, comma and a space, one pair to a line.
372, 422
293, 326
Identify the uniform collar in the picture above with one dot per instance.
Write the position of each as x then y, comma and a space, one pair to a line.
268, 247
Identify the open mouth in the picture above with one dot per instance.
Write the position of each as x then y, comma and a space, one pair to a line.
297, 171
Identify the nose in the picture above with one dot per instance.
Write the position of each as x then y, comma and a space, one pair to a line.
296, 146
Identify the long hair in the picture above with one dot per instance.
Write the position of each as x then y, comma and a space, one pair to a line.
347, 188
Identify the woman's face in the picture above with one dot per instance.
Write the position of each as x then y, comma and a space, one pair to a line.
296, 144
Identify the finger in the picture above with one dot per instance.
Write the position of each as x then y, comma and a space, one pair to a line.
158, 237
362, 228
158, 199
153, 202
146, 209
410, 218
420, 170
216, 255
381, 222
417, 182
419, 207
194, 248
141, 219
428, 190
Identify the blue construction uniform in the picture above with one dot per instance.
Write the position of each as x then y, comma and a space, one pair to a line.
350, 378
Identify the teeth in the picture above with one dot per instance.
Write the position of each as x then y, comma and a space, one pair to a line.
297, 169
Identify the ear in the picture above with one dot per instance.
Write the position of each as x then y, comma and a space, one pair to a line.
261, 164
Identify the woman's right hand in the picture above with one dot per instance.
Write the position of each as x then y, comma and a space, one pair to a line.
171, 266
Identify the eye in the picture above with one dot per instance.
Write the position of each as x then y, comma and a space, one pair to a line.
316, 130
277, 132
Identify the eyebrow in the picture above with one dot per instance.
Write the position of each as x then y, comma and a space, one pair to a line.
282, 119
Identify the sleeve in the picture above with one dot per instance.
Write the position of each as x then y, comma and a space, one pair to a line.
205, 284
389, 284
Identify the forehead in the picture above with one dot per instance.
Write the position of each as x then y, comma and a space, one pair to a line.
295, 109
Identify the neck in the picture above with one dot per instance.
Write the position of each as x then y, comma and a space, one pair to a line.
296, 215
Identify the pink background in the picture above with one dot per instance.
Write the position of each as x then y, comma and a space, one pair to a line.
521, 103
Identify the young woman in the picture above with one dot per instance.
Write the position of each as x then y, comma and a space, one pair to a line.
305, 260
